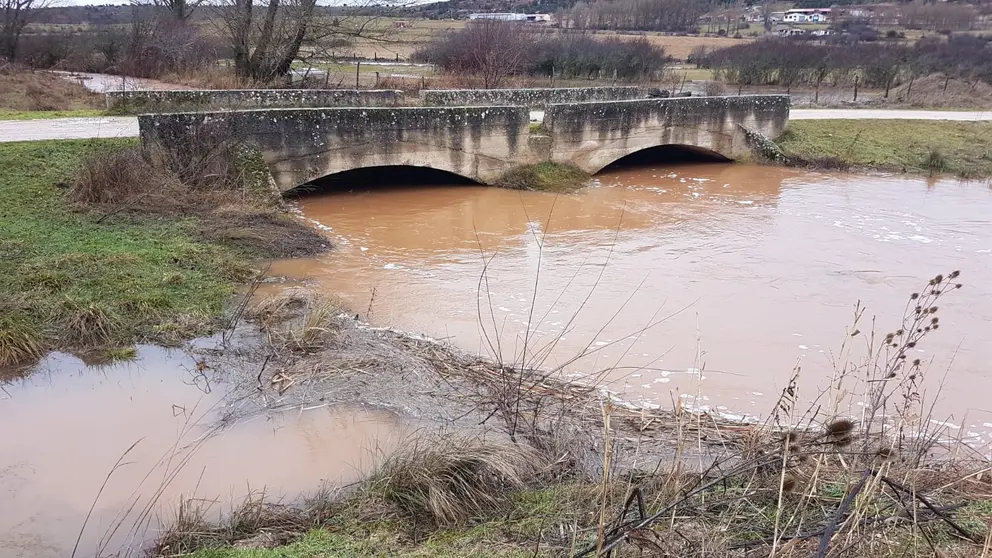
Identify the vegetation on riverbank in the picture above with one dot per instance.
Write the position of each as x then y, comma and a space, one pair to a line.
932, 147
100, 248
25, 93
545, 177
862, 471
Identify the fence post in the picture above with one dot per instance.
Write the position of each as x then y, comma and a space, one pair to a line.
358, 69
856, 87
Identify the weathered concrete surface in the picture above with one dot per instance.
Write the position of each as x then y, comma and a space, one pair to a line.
300, 145
593, 135
536, 97
245, 99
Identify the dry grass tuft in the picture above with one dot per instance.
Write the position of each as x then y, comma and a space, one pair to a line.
86, 324
253, 523
298, 320
20, 340
22, 89
450, 480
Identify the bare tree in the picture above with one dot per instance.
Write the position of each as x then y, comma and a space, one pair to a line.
266, 44
179, 10
499, 50
14, 15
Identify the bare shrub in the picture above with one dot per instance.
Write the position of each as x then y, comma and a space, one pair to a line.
120, 176
496, 51
491, 49
713, 89
199, 174
452, 479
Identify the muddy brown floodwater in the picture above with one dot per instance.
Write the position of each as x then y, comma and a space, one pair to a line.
743, 272
67, 424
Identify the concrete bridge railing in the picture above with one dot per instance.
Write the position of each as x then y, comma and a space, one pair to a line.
538, 97
593, 135
245, 99
481, 143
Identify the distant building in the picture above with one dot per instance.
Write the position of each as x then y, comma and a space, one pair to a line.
526, 18
812, 15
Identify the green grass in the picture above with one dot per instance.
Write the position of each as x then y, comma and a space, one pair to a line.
9, 114
545, 177
353, 534
379, 539
917, 146
68, 281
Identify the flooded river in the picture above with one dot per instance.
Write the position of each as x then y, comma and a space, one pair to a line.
711, 280
68, 424
708, 283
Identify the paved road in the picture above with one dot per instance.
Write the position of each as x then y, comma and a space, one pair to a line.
69, 128
127, 126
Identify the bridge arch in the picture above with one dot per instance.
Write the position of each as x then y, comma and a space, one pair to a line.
382, 176
667, 153
593, 135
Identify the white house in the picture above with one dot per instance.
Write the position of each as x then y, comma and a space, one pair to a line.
529, 18
812, 15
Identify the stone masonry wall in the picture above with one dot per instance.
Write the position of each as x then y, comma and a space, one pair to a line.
243, 99
537, 97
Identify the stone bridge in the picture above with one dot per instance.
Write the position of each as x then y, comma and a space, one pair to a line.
481, 143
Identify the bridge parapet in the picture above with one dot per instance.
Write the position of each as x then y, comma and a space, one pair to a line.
537, 97
245, 99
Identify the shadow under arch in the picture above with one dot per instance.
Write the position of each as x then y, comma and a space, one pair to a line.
380, 177
671, 153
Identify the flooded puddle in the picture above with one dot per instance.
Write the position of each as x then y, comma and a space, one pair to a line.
68, 424
739, 271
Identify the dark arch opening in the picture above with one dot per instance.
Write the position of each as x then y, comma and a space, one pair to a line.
666, 154
369, 178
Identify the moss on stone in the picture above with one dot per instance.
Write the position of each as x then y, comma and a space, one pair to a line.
545, 177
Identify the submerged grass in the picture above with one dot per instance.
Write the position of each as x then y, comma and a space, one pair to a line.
917, 146
76, 280
545, 177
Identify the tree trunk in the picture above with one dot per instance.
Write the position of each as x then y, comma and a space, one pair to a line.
260, 62
240, 28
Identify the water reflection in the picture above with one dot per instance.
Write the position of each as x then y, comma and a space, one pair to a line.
67, 424
757, 269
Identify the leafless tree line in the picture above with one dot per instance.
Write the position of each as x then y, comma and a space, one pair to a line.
639, 15
789, 63
262, 39
495, 50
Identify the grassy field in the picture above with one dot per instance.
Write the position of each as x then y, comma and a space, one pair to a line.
71, 280
917, 146
7, 114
